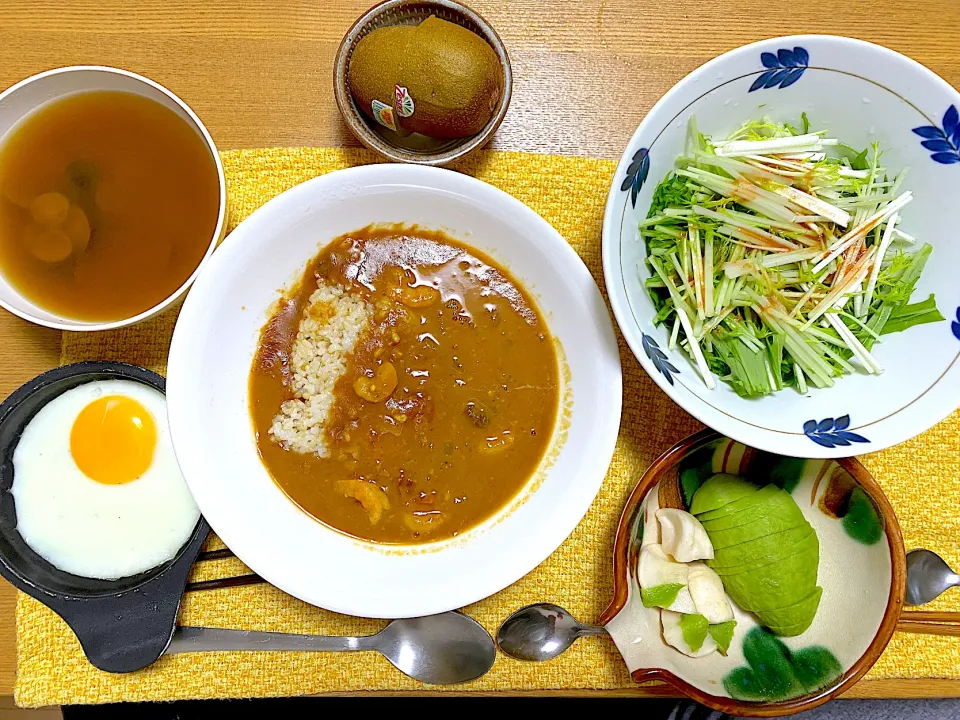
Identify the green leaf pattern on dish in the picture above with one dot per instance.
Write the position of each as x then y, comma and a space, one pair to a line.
774, 672
861, 521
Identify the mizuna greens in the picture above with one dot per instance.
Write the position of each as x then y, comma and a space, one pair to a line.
776, 258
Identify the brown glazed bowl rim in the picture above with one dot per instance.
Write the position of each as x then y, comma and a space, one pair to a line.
376, 142
731, 706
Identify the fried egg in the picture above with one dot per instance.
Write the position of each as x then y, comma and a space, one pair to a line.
97, 488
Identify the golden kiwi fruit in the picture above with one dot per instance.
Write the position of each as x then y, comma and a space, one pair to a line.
436, 78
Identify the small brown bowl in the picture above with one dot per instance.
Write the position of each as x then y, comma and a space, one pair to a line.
862, 570
416, 148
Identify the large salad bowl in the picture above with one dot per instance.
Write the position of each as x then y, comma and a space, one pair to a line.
859, 93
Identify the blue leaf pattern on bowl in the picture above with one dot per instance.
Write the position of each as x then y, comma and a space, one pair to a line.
943, 143
955, 325
637, 172
831, 433
783, 68
658, 357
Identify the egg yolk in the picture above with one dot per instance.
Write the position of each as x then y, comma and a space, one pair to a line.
113, 439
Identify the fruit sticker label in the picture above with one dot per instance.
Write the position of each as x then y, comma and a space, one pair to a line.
404, 102
383, 114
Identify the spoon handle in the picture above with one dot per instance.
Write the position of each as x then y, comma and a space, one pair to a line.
201, 639
591, 630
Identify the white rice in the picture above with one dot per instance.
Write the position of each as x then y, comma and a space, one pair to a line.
331, 325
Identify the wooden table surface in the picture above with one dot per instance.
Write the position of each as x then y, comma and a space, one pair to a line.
258, 72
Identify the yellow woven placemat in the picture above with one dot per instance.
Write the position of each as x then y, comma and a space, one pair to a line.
922, 478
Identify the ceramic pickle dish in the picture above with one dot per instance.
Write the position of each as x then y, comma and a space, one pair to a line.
860, 93
861, 570
122, 625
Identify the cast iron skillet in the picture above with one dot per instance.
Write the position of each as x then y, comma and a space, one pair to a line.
122, 625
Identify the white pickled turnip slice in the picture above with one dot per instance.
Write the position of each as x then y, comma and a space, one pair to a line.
651, 528
682, 536
673, 636
684, 603
709, 597
655, 568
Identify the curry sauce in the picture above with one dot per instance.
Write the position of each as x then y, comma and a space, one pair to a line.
449, 398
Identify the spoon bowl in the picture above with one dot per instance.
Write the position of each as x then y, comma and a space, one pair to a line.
440, 649
541, 632
928, 576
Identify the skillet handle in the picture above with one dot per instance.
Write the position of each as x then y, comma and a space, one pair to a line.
120, 634
130, 630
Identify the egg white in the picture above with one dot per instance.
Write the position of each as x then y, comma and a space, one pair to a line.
89, 528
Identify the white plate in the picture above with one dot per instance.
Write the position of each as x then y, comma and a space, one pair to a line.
860, 93
215, 341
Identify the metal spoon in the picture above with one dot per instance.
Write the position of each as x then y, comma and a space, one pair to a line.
541, 632
928, 575
438, 649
